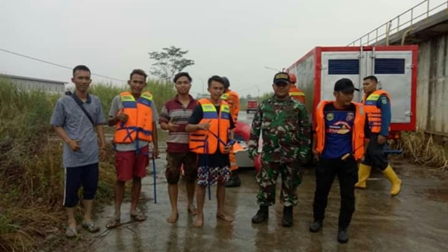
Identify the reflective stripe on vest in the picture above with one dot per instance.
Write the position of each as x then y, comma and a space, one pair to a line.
139, 123
296, 94
233, 103
374, 114
207, 141
357, 132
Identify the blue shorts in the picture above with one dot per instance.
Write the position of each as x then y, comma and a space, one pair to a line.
75, 177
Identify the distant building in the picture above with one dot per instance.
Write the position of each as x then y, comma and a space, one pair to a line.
28, 83
200, 96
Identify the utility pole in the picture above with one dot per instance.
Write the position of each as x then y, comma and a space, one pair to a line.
203, 85
258, 88
271, 68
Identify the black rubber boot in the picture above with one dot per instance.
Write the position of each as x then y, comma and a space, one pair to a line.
343, 235
234, 181
287, 216
316, 226
262, 215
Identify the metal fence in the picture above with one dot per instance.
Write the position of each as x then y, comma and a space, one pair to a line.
403, 21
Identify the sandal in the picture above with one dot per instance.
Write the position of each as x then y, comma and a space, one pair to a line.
71, 232
92, 228
138, 217
113, 223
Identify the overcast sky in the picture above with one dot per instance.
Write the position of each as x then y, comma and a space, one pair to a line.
233, 38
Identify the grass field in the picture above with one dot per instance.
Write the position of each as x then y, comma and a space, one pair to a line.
31, 173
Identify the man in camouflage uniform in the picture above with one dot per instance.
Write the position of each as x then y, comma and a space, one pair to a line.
284, 125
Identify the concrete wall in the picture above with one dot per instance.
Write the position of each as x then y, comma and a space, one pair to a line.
432, 91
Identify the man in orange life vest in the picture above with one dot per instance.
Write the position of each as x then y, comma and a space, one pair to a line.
294, 91
233, 99
377, 106
211, 138
134, 116
341, 128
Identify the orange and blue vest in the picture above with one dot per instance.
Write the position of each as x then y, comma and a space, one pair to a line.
374, 114
139, 123
338, 126
207, 141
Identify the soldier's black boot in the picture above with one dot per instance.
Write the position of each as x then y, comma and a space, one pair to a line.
234, 180
343, 235
287, 216
262, 215
316, 226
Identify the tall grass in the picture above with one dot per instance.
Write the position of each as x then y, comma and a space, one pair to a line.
31, 174
106, 92
422, 149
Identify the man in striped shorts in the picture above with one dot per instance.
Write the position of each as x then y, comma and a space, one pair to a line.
174, 117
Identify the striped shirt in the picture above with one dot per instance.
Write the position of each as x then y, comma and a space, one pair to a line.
178, 141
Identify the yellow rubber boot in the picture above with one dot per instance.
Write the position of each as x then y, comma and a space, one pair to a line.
363, 175
394, 180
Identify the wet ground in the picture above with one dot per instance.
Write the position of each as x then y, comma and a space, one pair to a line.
416, 220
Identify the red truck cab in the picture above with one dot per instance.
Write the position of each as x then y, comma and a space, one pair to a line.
251, 105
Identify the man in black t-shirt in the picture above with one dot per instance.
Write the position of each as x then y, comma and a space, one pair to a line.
211, 138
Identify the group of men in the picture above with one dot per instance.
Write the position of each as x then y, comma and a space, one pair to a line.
344, 134
199, 145
201, 139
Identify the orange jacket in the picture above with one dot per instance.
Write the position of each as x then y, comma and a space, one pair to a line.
373, 112
358, 129
139, 123
297, 94
206, 141
233, 99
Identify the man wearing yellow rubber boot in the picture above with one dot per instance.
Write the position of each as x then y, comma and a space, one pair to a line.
233, 99
378, 110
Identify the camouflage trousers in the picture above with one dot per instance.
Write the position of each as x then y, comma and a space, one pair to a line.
267, 180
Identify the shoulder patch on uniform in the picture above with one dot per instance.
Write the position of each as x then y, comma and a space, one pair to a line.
330, 116
383, 100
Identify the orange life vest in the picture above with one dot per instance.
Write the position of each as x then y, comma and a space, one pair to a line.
357, 133
233, 99
297, 94
373, 112
207, 141
139, 123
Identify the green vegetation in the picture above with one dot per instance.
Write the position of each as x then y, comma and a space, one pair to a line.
31, 174
168, 62
243, 100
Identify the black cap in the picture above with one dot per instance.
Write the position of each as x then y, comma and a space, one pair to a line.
226, 82
344, 85
281, 77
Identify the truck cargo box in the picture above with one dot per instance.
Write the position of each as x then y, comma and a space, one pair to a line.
394, 66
